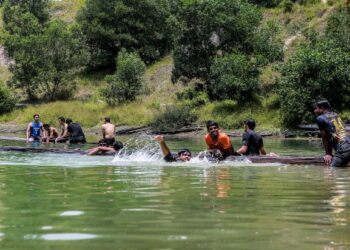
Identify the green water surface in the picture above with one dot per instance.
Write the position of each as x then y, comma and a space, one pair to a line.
51, 201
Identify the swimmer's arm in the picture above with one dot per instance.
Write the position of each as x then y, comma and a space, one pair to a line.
162, 144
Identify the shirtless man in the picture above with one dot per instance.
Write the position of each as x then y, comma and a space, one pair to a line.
34, 129
64, 132
50, 133
108, 133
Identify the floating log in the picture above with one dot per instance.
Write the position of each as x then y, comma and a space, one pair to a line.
41, 150
180, 130
132, 130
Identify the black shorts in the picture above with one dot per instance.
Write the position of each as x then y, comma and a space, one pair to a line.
79, 139
107, 141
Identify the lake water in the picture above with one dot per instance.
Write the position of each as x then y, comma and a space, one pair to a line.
72, 201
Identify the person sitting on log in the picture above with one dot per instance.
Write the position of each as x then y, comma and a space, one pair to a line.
219, 144
252, 142
108, 133
50, 133
182, 155
333, 135
64, 137
103, 150
34, 129
76, 134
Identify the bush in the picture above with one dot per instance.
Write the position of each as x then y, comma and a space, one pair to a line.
174, 117
235, 76
7, 101
127, 82
266, 3
287, 5
322, 69
338, 28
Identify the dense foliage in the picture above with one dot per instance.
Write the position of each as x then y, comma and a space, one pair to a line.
208, 30
319, 69
126, 83
7, 101
139, 26
46, 54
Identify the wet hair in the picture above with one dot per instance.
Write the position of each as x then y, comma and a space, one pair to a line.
250, 124
184, 150
107, 119
68, 121
323, 103
212, 123
62, 119
35, 115
118, 145
46, 125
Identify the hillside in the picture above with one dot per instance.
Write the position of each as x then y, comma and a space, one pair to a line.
89, 108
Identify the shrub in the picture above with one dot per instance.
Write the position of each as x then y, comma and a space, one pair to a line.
287, 5
338, 28
316, 70
126, 83
174, 117
7, 101
235, 76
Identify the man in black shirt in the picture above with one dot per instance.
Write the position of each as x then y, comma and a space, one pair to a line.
182, 155
76, 134
252, 142
333, 135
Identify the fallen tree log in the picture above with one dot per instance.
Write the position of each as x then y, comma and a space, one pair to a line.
41, 150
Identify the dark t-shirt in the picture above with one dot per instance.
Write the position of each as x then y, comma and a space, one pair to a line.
253, 141
170, 157
334, 127
75, 130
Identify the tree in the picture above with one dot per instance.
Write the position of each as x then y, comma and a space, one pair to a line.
14, 10
338, 28
127, 82
45, 63
234, 76
209, 29
316, 70
139, 26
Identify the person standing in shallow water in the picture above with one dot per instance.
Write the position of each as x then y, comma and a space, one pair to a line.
333, 135
34, 129
252, 142
218, 143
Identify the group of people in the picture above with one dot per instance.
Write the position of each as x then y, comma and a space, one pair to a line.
219, 144
71, 132
332, 129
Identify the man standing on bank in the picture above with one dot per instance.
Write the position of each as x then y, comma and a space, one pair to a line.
218, 143
252, 142
333, 135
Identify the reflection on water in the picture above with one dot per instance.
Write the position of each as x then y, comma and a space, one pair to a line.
50, 201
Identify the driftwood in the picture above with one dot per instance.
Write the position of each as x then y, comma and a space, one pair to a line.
180, 130
133, 130
302, 160
42, 150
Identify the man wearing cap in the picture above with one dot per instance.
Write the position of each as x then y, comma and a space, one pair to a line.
217, 142
252, 142
182, 155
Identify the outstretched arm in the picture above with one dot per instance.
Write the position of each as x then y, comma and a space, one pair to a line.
242, 150
162, 144
28, 131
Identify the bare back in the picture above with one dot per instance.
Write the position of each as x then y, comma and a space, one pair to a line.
108, 130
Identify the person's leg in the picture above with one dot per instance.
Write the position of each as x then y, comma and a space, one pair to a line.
342, 155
